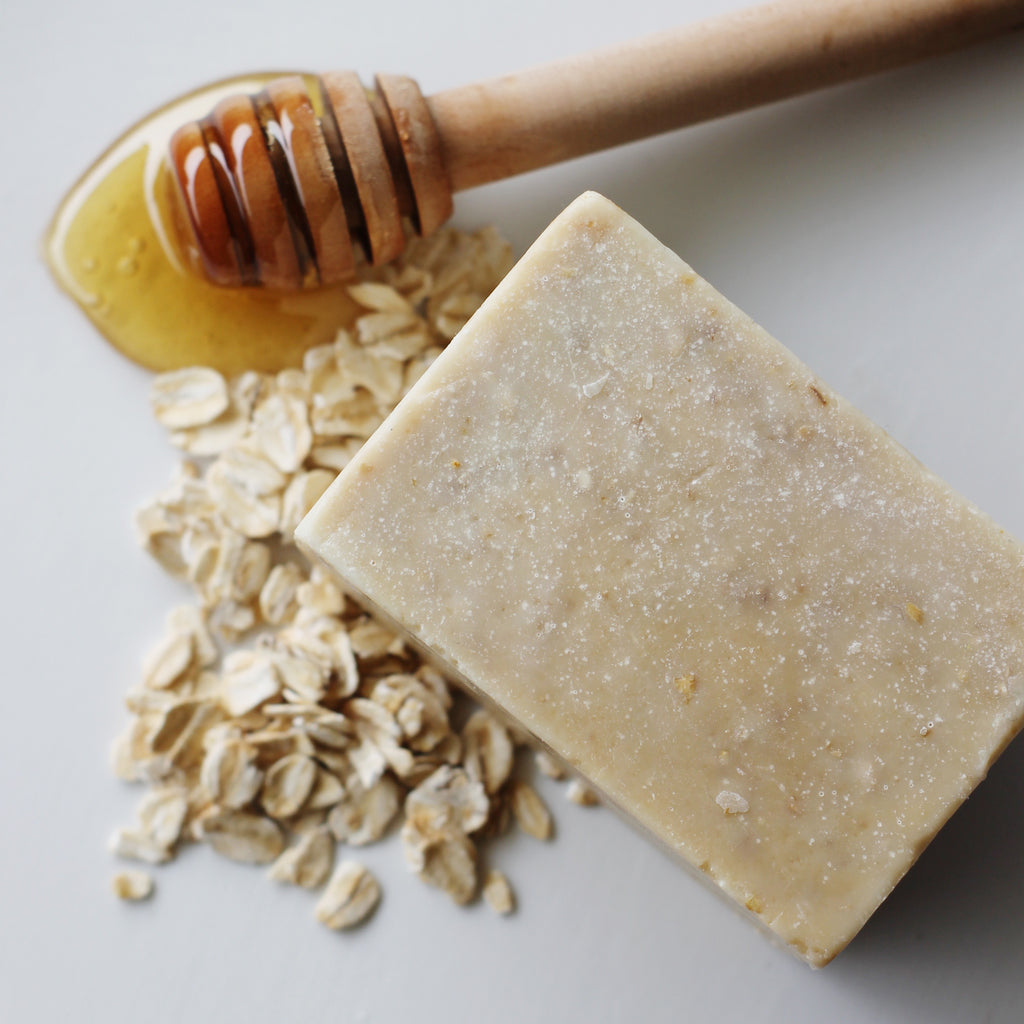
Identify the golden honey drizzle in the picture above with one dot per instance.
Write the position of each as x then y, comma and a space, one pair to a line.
112, 247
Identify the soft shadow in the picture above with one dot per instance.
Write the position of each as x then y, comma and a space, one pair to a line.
725, 194
956, 918
821, 159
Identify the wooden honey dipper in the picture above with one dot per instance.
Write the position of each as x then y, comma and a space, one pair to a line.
275, 194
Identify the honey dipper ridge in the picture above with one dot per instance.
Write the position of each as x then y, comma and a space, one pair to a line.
277, 187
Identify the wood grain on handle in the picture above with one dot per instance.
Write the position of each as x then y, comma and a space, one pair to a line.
520, 122
274, 193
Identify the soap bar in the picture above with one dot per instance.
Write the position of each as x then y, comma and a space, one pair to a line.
621, 512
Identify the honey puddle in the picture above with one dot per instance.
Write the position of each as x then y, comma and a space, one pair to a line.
112, 248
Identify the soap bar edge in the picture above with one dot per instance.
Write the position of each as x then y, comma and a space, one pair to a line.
506, 718
880, 435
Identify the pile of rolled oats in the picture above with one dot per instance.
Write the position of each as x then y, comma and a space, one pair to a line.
275, 720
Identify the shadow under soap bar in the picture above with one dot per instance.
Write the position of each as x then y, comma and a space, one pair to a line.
626, 515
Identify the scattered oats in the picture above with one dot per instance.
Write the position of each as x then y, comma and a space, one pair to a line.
314, 724
365, 814
372, 718
231, 620
499, 820
184, 649
218, 435
168, 661
123, 761
374, 328
351, 896
304, 680
287, 785
179, 731
487, 750
316, 362
420, 711
248, 469
548, 765
431, 678
431, 822
141, 700
415, 368
454, 311
327, 791
448, 751
188, 619
580, 793
308, 862
133, 844
444, 858
240, 570
402, 346
322, 595
162, 814
230, 774
381, 297
732, 803
275, 742
498, 893
439, 814
279, 594
160, 533
323, 640
452, 796
915, 613
242, 836
307, 821
247, 389
520, 737
358, 416
132, 885
281, 427
301, 494
293, 382
332, 730
333, 457
248, 680
160, 525
133, 756
246, 488
530, 811
188, 398
372, 640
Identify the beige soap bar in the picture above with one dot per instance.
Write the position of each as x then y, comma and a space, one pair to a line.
621, 511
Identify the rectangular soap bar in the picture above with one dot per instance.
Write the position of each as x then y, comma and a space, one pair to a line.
626, 515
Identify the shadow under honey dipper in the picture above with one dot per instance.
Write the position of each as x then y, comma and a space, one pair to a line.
277, 187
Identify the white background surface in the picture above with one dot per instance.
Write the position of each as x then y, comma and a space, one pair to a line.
877, 229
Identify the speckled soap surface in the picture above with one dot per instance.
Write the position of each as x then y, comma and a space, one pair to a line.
625, 514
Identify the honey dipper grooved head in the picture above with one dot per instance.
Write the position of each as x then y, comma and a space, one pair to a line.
276, 195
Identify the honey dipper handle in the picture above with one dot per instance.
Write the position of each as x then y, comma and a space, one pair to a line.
519, 122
